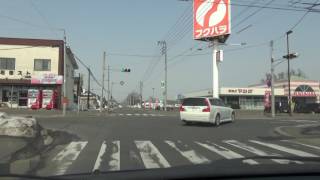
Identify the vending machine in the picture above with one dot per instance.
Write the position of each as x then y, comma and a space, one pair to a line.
46, 98
49, 99
34, 98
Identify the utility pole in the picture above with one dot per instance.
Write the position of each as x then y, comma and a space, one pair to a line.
64, 104
88, 95
215, 70
272, 81
152, 93
103, 69
108, 88
289, 84
164, 52
79, 92
141, 87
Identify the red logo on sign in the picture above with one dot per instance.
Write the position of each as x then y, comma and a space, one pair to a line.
211, 18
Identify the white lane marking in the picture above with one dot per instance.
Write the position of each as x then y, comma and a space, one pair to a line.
70, 153
121, 114
228, 154
307, 145
145, 114
299, 121
99, 158
189, 154
136, 114
114, 163
285, 149
152, 115
150, 155
129, 114
259, 152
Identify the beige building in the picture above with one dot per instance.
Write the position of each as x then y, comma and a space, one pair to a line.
29, 65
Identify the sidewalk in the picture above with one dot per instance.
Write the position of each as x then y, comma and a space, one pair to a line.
9, 146
308, 135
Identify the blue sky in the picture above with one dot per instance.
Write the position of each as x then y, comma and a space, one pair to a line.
135, 26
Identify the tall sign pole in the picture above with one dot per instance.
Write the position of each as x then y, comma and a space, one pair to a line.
211, 22
215, 70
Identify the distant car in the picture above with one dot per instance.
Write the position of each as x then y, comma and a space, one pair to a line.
307, 108
210, 110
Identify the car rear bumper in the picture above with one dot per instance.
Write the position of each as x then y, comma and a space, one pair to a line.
195, 117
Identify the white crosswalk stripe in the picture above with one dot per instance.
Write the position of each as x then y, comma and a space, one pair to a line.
114, 163
258, 151
66, 157
303, 144
151, 156
285, 149
189, 154
139, 114
228, 154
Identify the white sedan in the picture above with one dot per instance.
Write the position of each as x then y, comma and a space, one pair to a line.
210, 110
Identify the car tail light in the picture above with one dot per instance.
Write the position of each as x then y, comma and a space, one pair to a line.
207, 109
181, 108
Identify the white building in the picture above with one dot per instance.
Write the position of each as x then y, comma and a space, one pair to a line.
253, 97
36, 64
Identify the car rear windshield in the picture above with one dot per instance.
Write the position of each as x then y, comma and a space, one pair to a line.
194, 102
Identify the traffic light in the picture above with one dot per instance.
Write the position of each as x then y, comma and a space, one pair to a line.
125, 70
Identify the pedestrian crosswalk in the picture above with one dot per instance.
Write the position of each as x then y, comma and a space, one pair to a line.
114, 155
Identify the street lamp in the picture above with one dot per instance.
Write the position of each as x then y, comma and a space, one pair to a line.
288, 58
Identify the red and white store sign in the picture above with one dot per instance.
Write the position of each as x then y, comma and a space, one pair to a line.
211, 18
47, 79
304, 94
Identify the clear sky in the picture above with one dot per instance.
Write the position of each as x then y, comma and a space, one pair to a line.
135, 26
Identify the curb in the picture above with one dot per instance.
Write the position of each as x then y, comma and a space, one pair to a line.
281, 130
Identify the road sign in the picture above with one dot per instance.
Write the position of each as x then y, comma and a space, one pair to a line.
163, 84
211, 18
121, 83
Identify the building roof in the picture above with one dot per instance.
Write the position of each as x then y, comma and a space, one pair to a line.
72, 58
30, 42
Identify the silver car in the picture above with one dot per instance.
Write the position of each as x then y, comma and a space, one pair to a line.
209, 110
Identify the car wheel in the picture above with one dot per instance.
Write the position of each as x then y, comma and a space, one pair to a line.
233, 117
217, 121
187, 123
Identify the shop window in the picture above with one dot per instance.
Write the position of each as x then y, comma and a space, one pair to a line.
42, 64
7, 63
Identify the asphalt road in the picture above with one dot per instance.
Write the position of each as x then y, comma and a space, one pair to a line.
136, 139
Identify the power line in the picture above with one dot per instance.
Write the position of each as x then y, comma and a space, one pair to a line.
131, 55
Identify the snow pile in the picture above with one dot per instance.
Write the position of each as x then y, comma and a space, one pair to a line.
17, 126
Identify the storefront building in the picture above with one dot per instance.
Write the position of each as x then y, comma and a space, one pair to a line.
31, 73
253, 97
